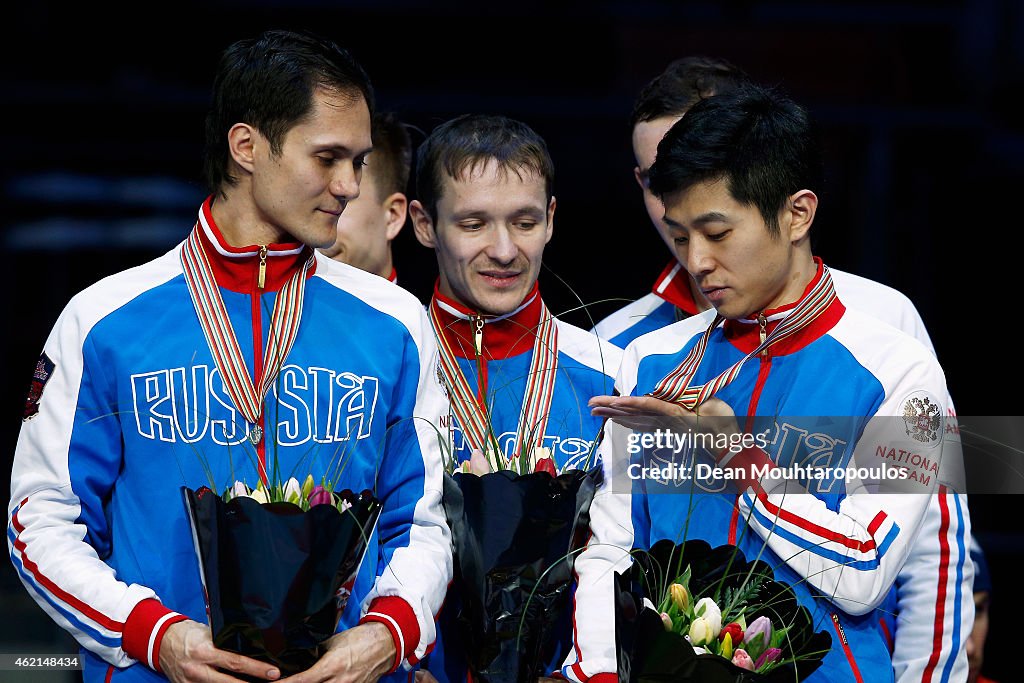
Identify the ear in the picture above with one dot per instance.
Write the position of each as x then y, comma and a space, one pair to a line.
551, 220
241, 144
639, 178
801, 208
397, 207
422, 225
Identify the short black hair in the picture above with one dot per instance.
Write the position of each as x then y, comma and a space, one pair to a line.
391, 158
682, 84
269, 82
460, 145
758, 140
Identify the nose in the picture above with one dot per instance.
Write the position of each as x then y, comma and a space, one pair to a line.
345, 182
699, 260
502, 248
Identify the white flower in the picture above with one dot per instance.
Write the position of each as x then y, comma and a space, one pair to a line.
700, 632
707, 609
292, 491
259, 494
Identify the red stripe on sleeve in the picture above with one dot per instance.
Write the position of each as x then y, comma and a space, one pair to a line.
101, 619
853, 543
940, 599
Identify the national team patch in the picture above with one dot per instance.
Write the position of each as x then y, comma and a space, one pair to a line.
922, 417
44, 370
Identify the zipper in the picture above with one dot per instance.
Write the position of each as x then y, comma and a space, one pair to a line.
762, 323
478, 335
262, 279
846, 647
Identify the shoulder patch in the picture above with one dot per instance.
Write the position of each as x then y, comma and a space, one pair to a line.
42, 374
440, 379
922, 417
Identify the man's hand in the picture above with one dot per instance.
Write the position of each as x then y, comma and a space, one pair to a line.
714, 415
424, 676
361, 654
187, 654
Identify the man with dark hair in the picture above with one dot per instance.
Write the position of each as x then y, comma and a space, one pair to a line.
736, 176
518, 378
932, 610
375, 218
194, 370
660, 104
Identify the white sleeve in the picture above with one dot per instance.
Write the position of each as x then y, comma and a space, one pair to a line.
853, 555
56, 529
594, 656
415, 539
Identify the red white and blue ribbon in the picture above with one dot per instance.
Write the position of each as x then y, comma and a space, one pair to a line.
675, 386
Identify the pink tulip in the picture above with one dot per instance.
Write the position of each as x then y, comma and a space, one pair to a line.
667, 621
239, 490
741, 659
320, 496
768, 656
478, 464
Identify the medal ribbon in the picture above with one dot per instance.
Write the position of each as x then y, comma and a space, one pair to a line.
675, 386
220, 337
540, 383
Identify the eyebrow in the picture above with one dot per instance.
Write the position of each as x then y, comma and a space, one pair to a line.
531, 211
699, 221
343, 150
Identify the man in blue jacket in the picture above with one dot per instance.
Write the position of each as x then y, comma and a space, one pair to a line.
239, 355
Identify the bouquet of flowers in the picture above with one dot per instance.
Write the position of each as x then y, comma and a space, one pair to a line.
514, 537
707, 614
277, 564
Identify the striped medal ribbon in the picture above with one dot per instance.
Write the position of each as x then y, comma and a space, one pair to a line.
675, 386
471, 411
220, 337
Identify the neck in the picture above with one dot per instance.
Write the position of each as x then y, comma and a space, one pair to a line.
805, 270
386, 269
240, 223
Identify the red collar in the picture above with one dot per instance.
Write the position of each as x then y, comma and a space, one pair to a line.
673, 285
237, 268
504, 336
745, 335
394, 275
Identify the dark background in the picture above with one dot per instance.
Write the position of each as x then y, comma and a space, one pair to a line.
924, 139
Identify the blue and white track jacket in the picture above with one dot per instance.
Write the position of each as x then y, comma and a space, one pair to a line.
932, 595
840, 553
586, 368
129, 407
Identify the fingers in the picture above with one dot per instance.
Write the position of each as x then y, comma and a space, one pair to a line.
245, 665
423, 676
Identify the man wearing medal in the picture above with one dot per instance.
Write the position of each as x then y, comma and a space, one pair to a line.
735, 175
931, 599
239, 355
518, 378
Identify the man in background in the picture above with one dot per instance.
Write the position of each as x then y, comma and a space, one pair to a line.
372, 220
